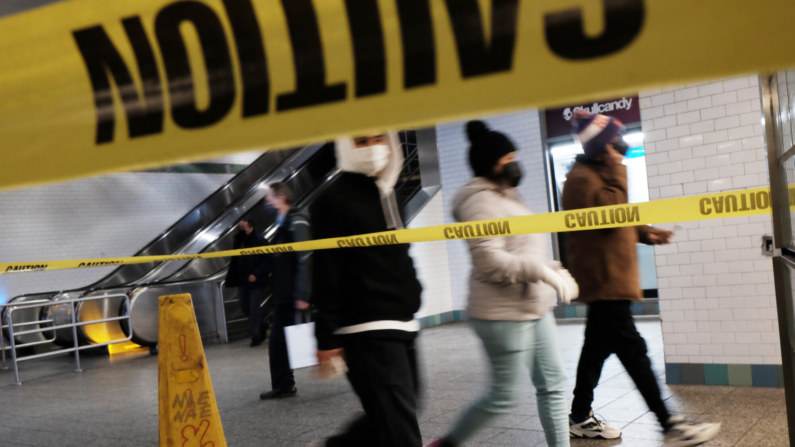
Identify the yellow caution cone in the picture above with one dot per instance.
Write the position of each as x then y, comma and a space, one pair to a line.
188, 411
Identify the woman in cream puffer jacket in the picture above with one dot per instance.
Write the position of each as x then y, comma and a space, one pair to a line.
512, 277
512, 290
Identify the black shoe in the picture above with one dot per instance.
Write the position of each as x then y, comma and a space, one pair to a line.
289, 391
255, 342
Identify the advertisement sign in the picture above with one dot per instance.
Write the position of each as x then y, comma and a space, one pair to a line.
626, 109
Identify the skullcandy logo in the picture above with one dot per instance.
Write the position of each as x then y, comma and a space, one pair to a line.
621, 104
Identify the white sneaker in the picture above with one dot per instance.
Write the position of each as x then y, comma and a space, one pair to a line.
593, 428
684, 434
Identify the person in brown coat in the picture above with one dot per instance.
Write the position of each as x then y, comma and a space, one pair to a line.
604, 264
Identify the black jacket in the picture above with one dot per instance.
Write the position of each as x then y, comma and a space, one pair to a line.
358, 285
292, 272
241, 267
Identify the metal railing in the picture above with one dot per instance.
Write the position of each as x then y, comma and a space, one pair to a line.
73, 324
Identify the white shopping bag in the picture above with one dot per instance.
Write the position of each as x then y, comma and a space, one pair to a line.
301, 345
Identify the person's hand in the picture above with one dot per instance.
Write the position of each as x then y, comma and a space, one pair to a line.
252, 278
660, 237
326, 356
613, 157
301, 305
572, 288
331, 364
561, 280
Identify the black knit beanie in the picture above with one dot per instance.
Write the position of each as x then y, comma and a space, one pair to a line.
487, 147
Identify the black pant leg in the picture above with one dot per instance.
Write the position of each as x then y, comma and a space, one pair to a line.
281, 374
243, 299
631, 350
360, 433
595, 350
382, 372
255, 314
411, 351
249, 304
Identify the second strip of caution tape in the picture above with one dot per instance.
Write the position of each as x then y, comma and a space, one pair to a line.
749, 202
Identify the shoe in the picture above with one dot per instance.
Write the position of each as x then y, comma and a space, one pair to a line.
593, 428
290, 391
685, 434
255, 342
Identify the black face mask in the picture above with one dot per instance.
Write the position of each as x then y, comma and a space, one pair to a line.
271, 209
621, 147
512, 173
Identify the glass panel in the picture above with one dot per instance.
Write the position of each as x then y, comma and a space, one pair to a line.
790, 124
789, 168
789, 295
786, 98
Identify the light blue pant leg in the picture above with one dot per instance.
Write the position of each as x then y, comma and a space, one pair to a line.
506, 344
549, 378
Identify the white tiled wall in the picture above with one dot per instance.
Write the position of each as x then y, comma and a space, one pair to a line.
525, 130
114, 215
717, 299
430, 260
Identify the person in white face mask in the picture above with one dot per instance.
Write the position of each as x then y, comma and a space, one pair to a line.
370, 156
366, 297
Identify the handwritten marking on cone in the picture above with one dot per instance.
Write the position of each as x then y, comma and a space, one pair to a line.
188, 410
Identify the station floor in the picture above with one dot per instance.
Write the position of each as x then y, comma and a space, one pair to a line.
113, 402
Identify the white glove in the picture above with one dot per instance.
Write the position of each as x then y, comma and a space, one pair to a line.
573, 288
563, 283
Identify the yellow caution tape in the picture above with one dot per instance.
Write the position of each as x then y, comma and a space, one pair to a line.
750, 202
188, 411
96, 86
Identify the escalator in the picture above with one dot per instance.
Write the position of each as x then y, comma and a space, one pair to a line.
308, 171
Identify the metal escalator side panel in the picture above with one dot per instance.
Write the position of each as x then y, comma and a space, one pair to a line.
28, 315
61, 315
110, 307
144, 309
